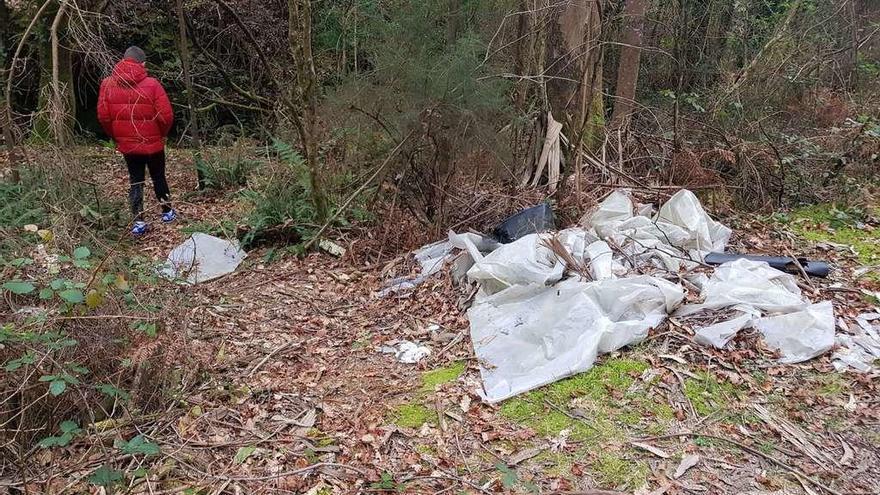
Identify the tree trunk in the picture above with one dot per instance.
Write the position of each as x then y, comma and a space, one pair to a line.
60, 108
854, 49
628, 67
8, 136
529, 62
453, 20
187, 81
574, 71
5, 124
10, 74
300, 41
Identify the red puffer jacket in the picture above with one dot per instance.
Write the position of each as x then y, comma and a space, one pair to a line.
134, 109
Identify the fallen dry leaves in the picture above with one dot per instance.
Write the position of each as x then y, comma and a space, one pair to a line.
290, 372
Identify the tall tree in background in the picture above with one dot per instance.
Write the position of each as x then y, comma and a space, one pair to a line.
61, 106
306, 89
559, 46
185, 61
5, 117
9, 134
574, 70
628, 67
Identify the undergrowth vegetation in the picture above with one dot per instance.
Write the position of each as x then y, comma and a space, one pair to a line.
83, 344
273, 187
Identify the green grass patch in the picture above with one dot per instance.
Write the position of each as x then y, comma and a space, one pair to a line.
431, 379
412, 415
426, 450
708, 395
830, 384
618, 473
767, 447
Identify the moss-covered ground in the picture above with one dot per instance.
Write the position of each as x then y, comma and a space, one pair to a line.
830, 223
414, 414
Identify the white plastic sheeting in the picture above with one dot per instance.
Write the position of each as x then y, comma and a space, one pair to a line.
800, 335
681, 232
202, 257
719, 334
525, 261
859, 350
535, 320
433, 257
531, 335
797, 329
529, 327
752, 284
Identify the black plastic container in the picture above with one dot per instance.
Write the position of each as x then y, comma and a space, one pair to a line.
532, 220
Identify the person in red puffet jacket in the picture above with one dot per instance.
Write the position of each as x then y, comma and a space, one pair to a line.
135, 112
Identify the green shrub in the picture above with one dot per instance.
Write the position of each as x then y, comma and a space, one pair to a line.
225, 170
20, 205
62, 360
281, 200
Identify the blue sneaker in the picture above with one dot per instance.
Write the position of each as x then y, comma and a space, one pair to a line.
169, 216
139, 228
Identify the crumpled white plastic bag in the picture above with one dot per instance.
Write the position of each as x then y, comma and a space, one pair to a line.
526, 261
684, 210
800, 335
752, 284
719, 334
530, 335
407, 352
201, 258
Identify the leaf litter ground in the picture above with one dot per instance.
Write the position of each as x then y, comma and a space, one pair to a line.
294, 397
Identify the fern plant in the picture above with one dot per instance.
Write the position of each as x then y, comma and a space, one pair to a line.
281, 199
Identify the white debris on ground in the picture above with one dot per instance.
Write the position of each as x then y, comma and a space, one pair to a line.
860, 348
433, 257
550, 303
798, 329
407, 352
201, 258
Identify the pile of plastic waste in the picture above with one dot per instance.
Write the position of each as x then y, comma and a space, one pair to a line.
550, 302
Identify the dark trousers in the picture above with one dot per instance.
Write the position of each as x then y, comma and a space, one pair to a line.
137, 167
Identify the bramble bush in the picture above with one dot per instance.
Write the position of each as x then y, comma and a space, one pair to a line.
82, 343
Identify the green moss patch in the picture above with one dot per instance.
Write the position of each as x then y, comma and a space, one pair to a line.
412, 415
619, 473
829, 223
708, 395
596, 406
415, 414
431, 379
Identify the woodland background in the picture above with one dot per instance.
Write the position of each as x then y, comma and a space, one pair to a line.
383, 124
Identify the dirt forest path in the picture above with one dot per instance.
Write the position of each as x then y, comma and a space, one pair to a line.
293, 396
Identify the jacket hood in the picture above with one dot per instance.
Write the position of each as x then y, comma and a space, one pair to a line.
130, 72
